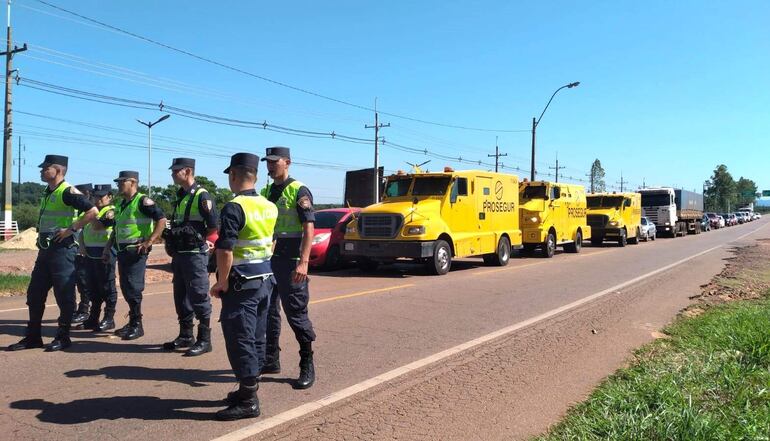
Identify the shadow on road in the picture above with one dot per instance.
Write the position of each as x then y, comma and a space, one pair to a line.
19, 327
114, 408
190, 377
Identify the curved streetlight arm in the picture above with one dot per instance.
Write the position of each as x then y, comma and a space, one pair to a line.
570, 86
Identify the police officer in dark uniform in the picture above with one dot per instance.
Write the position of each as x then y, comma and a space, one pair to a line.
294, 237
55, 264
100, 275
139, 223
193, 228
244, 282
81, 314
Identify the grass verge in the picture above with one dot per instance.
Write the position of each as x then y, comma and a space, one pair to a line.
709, 381
13, 284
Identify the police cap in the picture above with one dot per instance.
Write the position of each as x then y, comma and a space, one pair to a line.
54, 160
244, 160
179, 163
276, 153
85, 188
127, 174
102, 190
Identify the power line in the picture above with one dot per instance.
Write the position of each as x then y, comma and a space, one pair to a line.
266, 79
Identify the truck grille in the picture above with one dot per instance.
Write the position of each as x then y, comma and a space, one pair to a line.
597, 220
380, 225
652, 216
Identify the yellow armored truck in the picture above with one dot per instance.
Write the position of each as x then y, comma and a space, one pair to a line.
615, 216
553, 213
435, 217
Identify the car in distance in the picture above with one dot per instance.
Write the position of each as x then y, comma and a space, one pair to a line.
330, 225
648, 229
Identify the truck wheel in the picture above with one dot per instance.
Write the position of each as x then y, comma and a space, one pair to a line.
575, 246
635, 240
503, 254
367, 265
653, 236
549, 246
622, 240
442, 259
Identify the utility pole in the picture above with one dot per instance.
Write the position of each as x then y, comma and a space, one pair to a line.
149, 126
557, 168
7, 126
497, 154
19, 161
377, 126
622, 182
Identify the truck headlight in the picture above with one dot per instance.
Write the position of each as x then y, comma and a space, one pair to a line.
416, 231
667, 223
613, 223
534, 219
320, 238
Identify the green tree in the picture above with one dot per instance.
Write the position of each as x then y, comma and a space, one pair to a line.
597, 177
721, 191
26, 215
746, 190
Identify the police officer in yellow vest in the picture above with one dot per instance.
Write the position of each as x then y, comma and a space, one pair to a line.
294, 238
55, 264
244, 282
100, 275
81, 283
193, 227
139, 223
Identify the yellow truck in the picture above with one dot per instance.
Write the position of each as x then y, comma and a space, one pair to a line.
552, 214
615, 216
435, 217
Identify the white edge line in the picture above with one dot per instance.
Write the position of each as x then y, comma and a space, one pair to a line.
307, 408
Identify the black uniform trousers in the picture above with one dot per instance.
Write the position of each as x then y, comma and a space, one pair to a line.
244, 319
294, 298
132, 266
191, 286
54, 268
82, 283
101, 283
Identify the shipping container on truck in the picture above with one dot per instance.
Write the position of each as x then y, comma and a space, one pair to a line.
674, 212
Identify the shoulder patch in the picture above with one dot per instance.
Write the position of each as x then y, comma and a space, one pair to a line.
148, 202
109, 215
207, 204
304, 203
74, 190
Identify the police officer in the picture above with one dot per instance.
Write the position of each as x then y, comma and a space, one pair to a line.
294, 237
193, 228
244, 282
81, 314
55, 264
100, 275
138, 224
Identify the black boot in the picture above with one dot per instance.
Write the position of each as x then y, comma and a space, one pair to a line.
81, 314
242, 404
203, 344
135, 329
92, 322
306, 367
272, 361
61, 341
183, 340
31, 341
108, 322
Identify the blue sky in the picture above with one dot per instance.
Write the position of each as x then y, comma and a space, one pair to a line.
668, 89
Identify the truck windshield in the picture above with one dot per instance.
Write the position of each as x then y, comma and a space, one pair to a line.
430, 186
397, 187
604, 201
656, 199
534, 192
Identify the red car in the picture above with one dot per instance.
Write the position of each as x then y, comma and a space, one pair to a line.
330, 227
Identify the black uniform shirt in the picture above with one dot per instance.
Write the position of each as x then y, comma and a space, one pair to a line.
152, 211
232, 221
289, 247
206, 208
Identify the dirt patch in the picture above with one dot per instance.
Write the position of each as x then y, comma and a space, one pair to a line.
746, 276
25, 240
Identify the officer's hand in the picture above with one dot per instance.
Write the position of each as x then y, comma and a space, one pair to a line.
144, 247
210, 244
106, 255
300, 273
62, 234
218, 289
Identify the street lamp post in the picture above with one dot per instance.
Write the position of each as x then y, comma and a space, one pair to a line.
149, 126
535, 122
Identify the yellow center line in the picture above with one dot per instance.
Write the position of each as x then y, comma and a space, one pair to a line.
362, 293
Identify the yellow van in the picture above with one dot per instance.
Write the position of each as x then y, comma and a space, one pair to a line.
435, 217
615, 216
553, 213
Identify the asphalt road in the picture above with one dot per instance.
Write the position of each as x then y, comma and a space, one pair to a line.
379, 334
